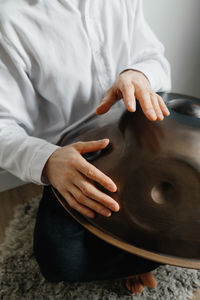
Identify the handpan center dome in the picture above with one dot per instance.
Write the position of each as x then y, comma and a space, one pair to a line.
162, 192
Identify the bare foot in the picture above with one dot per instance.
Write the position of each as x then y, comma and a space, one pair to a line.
136, 283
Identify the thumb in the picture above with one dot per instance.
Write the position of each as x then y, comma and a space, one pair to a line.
106, 103
84, 147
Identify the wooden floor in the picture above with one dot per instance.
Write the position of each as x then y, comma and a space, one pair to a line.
11, 198
197, 295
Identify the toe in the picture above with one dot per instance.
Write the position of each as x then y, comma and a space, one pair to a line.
128, 284
136, 287
148, 279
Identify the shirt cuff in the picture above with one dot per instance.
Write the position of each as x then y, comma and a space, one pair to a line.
38, 162
151, 71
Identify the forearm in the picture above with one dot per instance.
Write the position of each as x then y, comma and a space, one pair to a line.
23, 155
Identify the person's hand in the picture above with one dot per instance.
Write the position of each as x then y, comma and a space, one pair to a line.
72, 176
131, 85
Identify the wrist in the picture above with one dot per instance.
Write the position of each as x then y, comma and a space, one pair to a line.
136, 72
45, 171
44, 177
138, 78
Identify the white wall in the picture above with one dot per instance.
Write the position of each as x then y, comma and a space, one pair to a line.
177, 24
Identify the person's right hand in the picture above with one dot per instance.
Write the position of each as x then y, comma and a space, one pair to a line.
69, 172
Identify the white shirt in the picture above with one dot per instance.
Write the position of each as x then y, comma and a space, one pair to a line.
57, 59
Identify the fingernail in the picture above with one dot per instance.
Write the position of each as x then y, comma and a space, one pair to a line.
152, 114
114, 207
90, 215
105, 213
112, 187
131, 106
105, 140
167, 111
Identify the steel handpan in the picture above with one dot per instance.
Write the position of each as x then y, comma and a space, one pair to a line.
156, 167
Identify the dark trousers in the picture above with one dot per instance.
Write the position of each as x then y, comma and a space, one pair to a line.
66, 251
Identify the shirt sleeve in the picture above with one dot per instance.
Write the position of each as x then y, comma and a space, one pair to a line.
147, 53
20, 153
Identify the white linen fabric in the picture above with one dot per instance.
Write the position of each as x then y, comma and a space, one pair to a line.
57, 59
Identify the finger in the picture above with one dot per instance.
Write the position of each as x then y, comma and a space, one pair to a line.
91, 146
77, 206
163, 106
106, 103
156, 106
128, 92
145, 101
89, 190
84, 200
95, 174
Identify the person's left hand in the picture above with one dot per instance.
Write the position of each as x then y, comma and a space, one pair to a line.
131, 85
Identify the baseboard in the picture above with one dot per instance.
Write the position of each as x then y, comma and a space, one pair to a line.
8, 181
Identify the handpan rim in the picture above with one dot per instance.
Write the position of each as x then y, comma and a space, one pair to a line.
164, 259
161, 228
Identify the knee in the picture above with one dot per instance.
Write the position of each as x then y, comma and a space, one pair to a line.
61, 264
56, 268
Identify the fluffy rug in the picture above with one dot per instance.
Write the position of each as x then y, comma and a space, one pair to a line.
20, 277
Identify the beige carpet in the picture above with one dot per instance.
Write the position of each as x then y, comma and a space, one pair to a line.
20, 278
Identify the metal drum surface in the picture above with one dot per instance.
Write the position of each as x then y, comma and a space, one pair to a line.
156, 166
